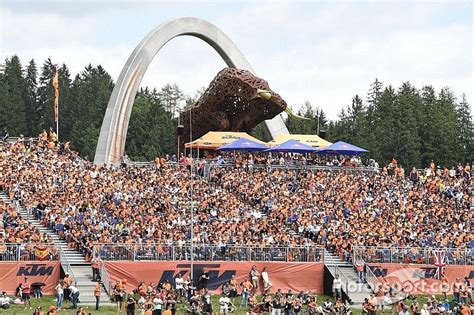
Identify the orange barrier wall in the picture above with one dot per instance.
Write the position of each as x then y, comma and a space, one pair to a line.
419, 279
294, 276
13, 273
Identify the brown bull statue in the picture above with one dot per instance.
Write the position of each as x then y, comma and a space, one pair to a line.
235, 100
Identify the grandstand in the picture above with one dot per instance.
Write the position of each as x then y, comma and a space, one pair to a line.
61, 210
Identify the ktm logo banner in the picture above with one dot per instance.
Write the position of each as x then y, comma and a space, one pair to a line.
294, 276
13, 273
421, 279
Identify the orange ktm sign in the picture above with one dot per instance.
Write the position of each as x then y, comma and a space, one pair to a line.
294, 276
420, 279
13, 273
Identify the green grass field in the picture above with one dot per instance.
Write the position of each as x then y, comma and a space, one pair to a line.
45, 302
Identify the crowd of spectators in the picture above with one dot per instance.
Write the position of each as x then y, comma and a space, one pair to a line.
88, 204
20, 240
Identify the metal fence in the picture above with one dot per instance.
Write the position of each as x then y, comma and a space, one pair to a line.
295, 167
138, 252
417, 255
28, 252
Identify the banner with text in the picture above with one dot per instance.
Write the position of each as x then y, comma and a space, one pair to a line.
421, 279
44, 274
294, 276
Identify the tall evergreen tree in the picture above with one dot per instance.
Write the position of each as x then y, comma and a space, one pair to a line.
90, 94
46, 95
171, 95
406, 114
465, 130
448, 133
12, 109
31, 99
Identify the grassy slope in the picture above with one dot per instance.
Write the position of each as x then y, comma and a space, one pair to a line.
45, 302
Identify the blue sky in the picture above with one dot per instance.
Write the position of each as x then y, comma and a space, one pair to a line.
321, 51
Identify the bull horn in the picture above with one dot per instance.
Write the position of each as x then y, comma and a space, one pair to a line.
290, 113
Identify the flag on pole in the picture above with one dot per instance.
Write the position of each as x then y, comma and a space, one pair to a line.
439, 261
56, 95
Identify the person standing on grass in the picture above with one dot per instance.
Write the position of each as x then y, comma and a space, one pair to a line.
131, 306
97, 292
246, 290
74, 296
59, 294
26, 291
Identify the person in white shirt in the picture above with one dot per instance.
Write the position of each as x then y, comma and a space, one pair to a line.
337, 286
74, 296
224, 303
424, 310
157, 305
179, 285
59, 294
266, 279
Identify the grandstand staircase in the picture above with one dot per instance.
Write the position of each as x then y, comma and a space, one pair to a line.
72, 261
357, 292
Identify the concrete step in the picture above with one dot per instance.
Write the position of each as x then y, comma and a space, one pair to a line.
79, 267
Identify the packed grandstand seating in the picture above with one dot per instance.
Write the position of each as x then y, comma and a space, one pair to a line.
239, 205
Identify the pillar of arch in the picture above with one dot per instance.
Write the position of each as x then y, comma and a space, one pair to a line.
113, 133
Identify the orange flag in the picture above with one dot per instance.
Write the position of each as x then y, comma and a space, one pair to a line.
56, 95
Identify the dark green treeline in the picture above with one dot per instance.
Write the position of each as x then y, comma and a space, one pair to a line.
412, 125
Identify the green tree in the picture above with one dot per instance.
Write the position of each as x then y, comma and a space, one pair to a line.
31, 99
446, 127
407, 115
152, 130
46, 95
465, 130
12, 109
90, 94
171, 96
316, 120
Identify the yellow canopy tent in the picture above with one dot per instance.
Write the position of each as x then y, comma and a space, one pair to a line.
312, 140
215, 139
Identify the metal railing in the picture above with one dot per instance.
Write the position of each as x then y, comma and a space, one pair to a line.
105, 278
292, 167
415, 255
28, 252
140, 252
371, 279
67, 266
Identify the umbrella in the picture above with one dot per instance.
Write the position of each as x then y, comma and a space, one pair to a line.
342, 147
243, 144
293, 146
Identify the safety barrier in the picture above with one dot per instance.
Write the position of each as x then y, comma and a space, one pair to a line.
28, 252
143, 252
414, 255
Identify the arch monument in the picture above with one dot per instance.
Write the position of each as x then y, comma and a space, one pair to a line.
113, 133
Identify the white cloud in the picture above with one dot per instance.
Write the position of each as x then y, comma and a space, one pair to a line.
324, 52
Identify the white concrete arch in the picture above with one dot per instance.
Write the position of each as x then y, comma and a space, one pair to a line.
113, 133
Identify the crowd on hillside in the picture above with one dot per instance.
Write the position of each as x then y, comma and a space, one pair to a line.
88, 204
